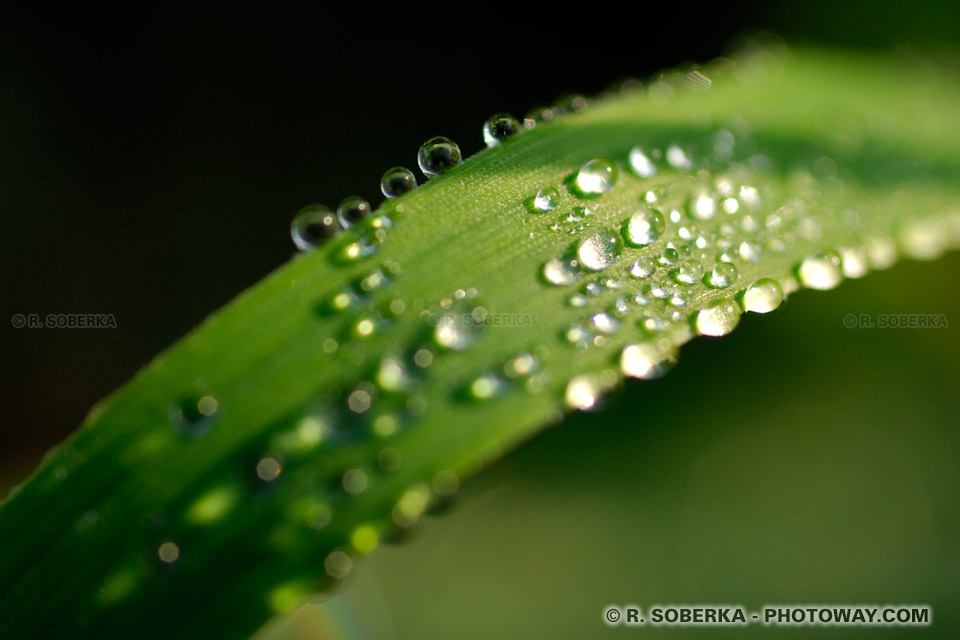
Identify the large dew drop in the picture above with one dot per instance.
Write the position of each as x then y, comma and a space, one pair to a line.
719, 319
438, 155
763, 296
599, 251
596, 177
820, 271
561, 271
644, 227
397, 181
498, 128
641, 164
722, 275
352, 210
545, 200
647, 361
312, 225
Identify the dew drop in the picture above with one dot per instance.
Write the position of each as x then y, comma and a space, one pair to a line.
596, 177
352, 210
820, 271
854, 261
641, 164
458, 331
688, 272
486, 386
312, 225
605, 323
195, 417
561, 271
719, 319
397, 181
582, 392
445, 483
498, 128
644, 227
643, 268
677, 158
702, 206
545, 200
763, 296
438, 155
599, 251
722, 275
646, 361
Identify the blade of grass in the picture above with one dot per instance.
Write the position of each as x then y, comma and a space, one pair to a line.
338, 411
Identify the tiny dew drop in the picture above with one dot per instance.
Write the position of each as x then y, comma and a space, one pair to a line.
647, 361
561, 271
702, 206
644, 227
194, 417
596, 177
486, 386
168, 552
763, 296
498, 128
641, 164
545, 200
820, 271
397, 181
722, 275
719, 319
312, 225
599, 251
582, 392
352, 210
438, 155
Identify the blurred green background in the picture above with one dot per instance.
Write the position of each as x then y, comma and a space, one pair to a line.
149, 164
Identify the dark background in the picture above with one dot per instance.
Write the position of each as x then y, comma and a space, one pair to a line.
150, 162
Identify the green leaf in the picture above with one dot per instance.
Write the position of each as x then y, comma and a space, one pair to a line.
326, 408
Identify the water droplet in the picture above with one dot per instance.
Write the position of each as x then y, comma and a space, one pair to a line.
364, 539
438, 155
352, 210
677, 158
763, 296
702, 206
605, 323
486, 386
855, 262
458, 331
647, 361
719, 319
577, 301
644, 227
669, 257
643, 268
522, 365
599, 251
882, 251
397, 181
688, 272
596, 177
498, 128
360, 399
545, 200
641, 164
749, 251
722, 275
924, 239
820, 271
582, 392
411, 505
561, 271
168, 552
268, 469
312, 225
195, 417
